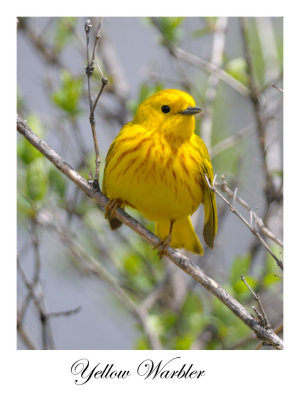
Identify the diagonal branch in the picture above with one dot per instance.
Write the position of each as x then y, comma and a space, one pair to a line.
267, 335
89, 263
232, 195
198, 62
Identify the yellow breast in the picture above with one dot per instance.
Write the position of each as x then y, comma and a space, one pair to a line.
159, 178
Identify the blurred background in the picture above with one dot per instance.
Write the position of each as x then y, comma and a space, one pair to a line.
81, 286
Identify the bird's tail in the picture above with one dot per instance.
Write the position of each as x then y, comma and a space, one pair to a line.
183, 235
114, 223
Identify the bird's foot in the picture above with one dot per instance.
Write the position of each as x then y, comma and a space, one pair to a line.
111, 207
162, 245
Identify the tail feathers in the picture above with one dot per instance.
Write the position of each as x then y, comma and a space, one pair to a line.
210, 217
114, 223
183, 235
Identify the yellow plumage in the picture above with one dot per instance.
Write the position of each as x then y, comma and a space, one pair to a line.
156, 164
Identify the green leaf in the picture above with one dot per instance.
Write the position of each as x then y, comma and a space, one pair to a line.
256, 51
240, 266
270, 279
68, 95
210, 25
57, 181
277, 172
271, 267
237, 68
141, 282
193, 304
36, 180
26, 152
24, 205
132, 264
20, 100
163, 322
184, 342
64, 32
170, 28
142, 344
240, 288
168, 319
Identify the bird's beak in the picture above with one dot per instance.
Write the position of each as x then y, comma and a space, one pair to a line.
191, 111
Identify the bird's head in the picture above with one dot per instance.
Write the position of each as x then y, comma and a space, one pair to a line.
170, 112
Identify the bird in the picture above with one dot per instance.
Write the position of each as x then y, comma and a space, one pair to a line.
160, 167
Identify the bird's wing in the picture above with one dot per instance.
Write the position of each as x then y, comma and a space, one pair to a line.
209, 199
110, 154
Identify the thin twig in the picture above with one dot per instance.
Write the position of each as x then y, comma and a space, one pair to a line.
36, 294
253, 215
25, 337
203, 64
92, 266
238, 345
153, 296
97, 38
178, 258
234, 210
275, 86
64, 313
230, 141
44, 48
262, 316
89, 71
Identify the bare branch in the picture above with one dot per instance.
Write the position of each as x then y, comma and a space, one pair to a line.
89, 71
262, 316
35, 292
179, 259
90, 265
249, 225
230, 141
279, 329
64, 313
203, 64
275, 86
97, 38
38, 42
253, 215
261, 121
25, 337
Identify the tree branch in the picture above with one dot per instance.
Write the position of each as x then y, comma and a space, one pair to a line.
268, 336
89, 264
253, 216
262, 315
258, 109
89, 71
192, 59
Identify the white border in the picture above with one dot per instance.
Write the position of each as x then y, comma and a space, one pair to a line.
230, 374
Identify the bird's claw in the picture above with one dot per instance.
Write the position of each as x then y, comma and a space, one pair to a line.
110, 208
162, 246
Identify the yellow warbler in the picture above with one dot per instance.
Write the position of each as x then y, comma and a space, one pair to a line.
157, 164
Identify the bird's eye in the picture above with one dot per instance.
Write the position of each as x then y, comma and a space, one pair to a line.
165, 109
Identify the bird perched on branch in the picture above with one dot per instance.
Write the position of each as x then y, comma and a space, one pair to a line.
157, 165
